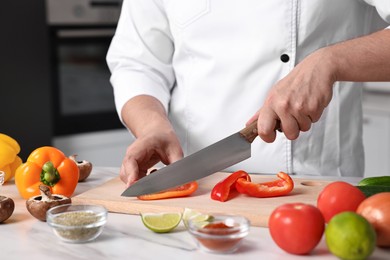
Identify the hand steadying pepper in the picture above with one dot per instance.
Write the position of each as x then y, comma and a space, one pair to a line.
241, 181
49, 166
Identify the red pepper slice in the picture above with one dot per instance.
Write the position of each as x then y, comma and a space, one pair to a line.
180, 191
223, 188
279, 187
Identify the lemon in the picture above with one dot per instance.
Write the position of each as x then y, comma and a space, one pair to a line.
161, 222
350, 236
200, 219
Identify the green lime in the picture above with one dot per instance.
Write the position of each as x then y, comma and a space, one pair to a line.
161, 222
196, 216
350, 236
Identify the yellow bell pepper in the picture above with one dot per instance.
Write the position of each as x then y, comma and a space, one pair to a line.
9, 159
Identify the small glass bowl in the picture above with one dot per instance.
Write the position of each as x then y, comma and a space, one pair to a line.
222, 234
77, 223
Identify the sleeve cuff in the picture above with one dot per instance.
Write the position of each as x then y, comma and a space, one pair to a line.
130, 84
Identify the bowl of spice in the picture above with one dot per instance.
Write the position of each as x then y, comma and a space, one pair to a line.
222, 234
77, 223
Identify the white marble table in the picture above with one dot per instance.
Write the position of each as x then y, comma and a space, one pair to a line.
125, 237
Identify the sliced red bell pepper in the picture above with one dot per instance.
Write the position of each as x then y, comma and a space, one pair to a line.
223, 188
279, 187
180, 191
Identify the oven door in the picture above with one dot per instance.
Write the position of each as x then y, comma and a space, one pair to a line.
83, 98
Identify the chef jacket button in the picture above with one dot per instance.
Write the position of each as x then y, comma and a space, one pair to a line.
285, 58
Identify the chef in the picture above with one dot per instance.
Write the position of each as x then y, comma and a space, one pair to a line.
187, 73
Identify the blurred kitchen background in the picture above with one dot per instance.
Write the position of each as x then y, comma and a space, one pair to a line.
55, 90
55, 87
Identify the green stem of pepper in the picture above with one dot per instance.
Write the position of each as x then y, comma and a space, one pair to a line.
49, 174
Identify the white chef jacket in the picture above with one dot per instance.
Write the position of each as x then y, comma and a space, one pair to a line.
211, 64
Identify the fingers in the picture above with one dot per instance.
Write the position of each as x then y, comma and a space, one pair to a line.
267, 124
289, 121
303, 122
128, 173
171, 154
145, 153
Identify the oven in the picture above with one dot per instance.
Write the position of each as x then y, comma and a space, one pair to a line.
80, 34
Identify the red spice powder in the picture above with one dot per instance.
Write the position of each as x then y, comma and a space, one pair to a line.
220, 244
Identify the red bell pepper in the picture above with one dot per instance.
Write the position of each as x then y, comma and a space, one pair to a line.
279, 187
180, 191
223, 188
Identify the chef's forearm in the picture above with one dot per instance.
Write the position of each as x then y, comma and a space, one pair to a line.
362, 59
143, 114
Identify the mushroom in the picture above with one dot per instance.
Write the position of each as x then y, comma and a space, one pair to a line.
40, 204
85, 167
7, 207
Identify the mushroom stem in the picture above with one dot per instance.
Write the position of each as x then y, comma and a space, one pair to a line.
45, 193
73, 157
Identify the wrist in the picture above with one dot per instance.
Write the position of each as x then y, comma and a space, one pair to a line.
332, 62
145, 114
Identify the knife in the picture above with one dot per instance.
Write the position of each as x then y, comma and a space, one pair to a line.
216, 157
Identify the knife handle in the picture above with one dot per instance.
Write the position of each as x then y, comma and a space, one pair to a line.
250, 132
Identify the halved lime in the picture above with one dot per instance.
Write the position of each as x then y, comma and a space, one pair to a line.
196, 216
161, 222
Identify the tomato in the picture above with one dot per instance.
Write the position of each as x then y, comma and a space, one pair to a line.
297, 228
337, 197
376, 209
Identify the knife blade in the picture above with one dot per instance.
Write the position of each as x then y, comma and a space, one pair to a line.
216, 157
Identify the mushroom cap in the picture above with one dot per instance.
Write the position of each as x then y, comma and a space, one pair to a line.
38, 207
85, 169
7, 207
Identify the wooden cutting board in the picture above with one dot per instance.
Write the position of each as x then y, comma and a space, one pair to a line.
257, 210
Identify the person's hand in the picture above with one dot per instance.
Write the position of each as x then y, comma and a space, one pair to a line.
297, 100
146, 151
156, 140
